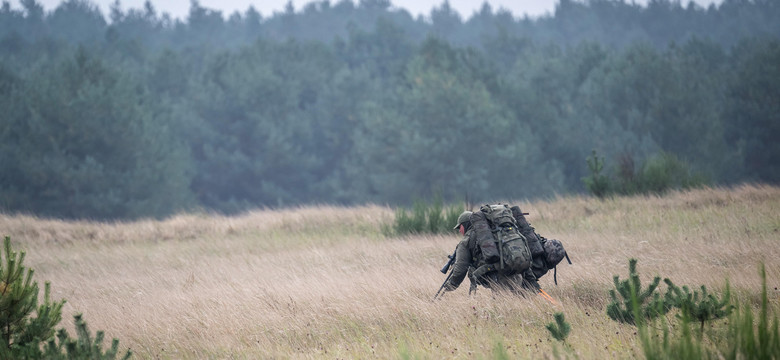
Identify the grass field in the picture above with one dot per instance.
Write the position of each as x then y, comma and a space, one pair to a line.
324, 282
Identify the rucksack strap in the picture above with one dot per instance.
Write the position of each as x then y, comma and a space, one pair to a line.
555, 269
501, 253
473, 285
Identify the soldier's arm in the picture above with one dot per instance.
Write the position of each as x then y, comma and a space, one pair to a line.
461, 266
539, 266
530, 280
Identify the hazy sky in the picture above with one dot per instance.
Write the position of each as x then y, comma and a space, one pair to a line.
179, 8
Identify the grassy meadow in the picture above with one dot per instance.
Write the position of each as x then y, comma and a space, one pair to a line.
325, 282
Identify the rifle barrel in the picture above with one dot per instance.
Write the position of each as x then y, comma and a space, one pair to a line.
442, 286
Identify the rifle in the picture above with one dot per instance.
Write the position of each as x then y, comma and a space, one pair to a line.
444, 270
449, 262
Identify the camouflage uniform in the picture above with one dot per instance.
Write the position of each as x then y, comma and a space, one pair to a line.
463, 253
467, 259
463, 260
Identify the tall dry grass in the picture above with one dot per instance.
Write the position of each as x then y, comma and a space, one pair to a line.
323, 282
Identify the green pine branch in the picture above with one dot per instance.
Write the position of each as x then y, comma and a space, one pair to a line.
635, 302
560, 328
83, 347
699, 306
22, 334
20, 331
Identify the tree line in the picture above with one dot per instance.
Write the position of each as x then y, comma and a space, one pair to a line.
141, 115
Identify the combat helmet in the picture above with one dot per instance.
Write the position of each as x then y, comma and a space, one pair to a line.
464, 217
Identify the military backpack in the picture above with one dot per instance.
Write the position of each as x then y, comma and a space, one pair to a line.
502, 245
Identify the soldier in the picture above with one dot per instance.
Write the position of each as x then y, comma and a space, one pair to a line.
464, 252
469, 260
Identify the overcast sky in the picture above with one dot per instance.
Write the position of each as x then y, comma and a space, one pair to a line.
180, 8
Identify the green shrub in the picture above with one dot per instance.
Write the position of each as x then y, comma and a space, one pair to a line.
743, 338
21, 332
560, 328
699, 308
635, 303
84, 347
658, 175
432, 218
597, 183
408, 224
665, 172
23, 335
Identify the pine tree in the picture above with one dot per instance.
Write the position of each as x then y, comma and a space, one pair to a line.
84, 347
20, 332
700, 308
633, 304
596, 183
560, 328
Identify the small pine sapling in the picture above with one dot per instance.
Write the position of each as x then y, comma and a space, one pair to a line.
699, 307
84, 347
596, 183
560, 328
635, 302
21, 333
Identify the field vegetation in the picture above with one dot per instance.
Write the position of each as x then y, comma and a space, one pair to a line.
328, 282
